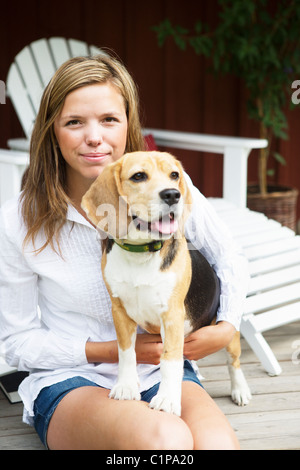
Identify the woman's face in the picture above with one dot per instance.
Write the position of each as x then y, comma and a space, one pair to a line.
91, 131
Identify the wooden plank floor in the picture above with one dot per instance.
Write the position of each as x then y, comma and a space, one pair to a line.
272, 418
270, 421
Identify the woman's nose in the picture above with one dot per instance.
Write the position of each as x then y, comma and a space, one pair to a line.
94, 136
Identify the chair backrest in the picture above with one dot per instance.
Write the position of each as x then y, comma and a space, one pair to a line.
32, 69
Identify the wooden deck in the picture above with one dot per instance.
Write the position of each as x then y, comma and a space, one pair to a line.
270, 421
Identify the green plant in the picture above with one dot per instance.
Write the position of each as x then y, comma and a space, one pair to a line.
259, 42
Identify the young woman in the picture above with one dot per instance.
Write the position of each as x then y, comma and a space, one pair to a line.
50, 258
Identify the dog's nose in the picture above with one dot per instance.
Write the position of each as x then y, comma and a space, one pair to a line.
170, 196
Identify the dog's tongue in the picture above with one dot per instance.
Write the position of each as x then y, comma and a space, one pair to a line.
165, 225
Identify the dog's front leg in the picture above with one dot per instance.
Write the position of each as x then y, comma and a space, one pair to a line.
127, 386
240, 392
168, 397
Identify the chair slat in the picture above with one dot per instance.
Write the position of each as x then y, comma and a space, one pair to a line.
273, 319
20, 99
287, 243
44, 59
30, 76
256, 227
275, 262
274, 279
243, 218
273, 298
60, 50
262, 237
78, 48
96, 51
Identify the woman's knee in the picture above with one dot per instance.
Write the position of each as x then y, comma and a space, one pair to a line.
219, 437
170, 433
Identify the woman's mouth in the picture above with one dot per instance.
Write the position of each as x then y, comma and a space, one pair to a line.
94, 157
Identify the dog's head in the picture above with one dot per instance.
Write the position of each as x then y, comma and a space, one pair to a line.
142, 196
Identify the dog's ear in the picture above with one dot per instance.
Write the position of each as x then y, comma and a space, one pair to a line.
188, 200
104, 204
186, 194
183, 187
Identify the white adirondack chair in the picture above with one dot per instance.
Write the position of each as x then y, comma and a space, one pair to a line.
27, 77
273, 251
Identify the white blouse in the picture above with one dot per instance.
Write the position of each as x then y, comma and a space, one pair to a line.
74, 303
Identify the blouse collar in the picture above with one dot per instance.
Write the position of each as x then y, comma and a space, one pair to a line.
74, 216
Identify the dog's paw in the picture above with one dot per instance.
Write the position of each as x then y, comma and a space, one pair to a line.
240, 392
241, 397
125, 392
164, 403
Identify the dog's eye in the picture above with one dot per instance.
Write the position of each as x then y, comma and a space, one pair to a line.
174, 175
139, 177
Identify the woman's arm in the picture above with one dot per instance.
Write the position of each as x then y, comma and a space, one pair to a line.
208, 340
148, 350
26, 343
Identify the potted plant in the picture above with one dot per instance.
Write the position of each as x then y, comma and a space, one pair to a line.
258, 42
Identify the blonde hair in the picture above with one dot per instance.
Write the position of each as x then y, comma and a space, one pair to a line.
44, 197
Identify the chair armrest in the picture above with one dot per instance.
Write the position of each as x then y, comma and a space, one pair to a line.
235, 150
14, 157
12, 167
19, 144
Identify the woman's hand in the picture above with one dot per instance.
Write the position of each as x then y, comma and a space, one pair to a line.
148, 349
208, 340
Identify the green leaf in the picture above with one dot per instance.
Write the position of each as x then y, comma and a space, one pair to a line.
167, 26
181, 30
201, 45
180, 42
198, 27
279, 158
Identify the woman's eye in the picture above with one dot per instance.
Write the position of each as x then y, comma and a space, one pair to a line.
73, 122
110, 119
139, 177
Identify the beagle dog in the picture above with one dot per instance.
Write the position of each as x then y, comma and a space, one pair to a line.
140, 203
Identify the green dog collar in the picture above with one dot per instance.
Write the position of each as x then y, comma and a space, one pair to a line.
147, 248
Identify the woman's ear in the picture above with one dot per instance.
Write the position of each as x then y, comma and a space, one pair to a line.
104, 204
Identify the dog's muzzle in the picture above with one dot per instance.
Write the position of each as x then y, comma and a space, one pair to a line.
164, 219
165, 225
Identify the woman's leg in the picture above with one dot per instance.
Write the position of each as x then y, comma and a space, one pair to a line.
208, 425
87, 419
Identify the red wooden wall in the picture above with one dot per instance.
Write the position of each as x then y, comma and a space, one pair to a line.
176, 90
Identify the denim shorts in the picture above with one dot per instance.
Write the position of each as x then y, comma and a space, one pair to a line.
49, 397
